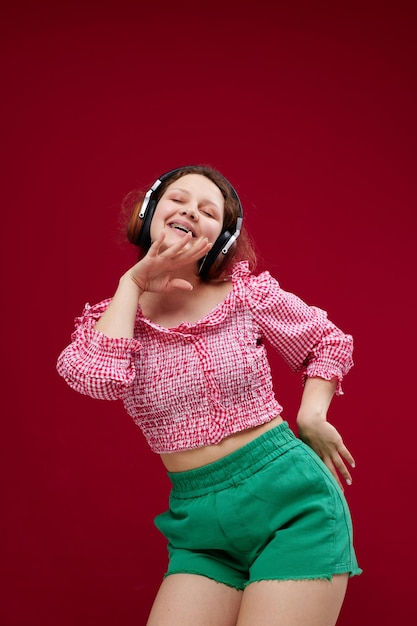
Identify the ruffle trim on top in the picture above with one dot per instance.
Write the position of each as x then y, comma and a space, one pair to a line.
86, 334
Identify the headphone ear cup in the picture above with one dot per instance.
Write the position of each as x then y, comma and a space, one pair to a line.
215, 251
144, 226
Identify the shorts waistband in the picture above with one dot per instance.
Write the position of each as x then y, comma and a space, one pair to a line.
236, 466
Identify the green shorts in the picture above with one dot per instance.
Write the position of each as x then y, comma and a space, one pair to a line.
269, 511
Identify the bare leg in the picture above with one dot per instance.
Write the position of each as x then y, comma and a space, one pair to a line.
293, 603
188, 600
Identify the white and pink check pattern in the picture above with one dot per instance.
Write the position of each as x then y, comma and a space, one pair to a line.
193, 385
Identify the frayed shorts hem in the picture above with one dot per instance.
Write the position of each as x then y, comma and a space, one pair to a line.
242, 586
233, 585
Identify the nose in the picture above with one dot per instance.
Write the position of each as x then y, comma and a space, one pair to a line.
191, 212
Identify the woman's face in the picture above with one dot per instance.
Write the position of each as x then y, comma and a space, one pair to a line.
191, 203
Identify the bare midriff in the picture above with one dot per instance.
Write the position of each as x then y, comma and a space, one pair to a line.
190, 459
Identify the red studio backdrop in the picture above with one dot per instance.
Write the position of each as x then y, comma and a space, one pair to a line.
310, 112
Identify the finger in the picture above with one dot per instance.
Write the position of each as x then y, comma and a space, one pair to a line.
189, 250
155, 246
196, 247
342, 469
200, 251
330, 465
179, 283
344, 452
174, 249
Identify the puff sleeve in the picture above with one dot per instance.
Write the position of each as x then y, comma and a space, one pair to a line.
303, 335
94, 364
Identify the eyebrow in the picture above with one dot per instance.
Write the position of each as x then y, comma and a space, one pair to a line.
205, 201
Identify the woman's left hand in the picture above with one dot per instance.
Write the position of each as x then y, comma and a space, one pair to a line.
327, 442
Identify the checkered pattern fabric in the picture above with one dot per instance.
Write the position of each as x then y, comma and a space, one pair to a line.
193, 385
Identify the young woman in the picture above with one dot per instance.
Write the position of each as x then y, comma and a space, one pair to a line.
258, 528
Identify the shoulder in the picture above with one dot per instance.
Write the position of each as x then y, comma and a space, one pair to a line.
255, 287
91, 313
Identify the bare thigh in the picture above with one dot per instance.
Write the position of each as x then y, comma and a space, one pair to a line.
293, 602
188, 600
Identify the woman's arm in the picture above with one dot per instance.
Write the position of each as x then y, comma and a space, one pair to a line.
315, 430
303, 335
118, 320
99, 360
95, 364
155, 273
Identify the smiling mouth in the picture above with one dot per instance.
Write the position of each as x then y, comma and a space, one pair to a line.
181, 227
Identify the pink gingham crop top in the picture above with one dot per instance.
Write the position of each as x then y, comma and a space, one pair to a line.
193, 385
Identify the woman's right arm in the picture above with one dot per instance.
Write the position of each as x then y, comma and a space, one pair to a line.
95, 364
118, 320
155, 272
99, 360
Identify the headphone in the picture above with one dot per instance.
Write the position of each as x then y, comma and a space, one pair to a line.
222, 244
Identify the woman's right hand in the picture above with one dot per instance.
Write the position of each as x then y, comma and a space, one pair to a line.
156, 271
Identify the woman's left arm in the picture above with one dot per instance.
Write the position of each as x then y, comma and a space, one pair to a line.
315, 430
309, 342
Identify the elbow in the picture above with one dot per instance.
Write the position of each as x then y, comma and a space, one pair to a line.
97, 385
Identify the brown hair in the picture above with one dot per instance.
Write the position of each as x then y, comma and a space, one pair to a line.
241, 249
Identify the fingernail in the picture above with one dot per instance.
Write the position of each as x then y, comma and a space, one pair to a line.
353, 464
348, 481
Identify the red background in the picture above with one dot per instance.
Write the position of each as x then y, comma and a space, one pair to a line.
310, 112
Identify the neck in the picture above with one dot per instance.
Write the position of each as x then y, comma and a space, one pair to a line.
177, 298
169, 309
